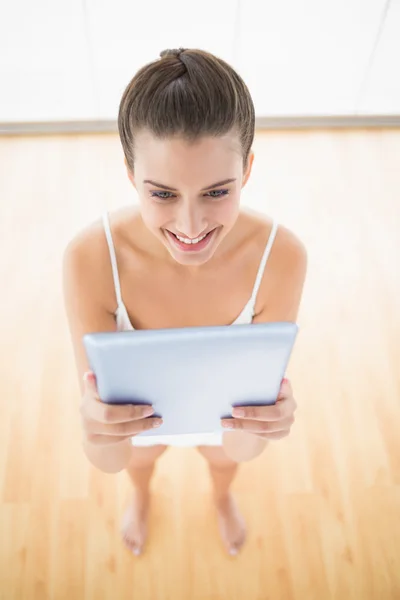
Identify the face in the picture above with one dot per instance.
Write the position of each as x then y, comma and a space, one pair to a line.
188, 219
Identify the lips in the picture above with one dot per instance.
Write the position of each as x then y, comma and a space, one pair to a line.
188, 238
197, 247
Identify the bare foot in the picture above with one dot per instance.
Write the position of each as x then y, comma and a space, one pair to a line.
231, 524
134, 523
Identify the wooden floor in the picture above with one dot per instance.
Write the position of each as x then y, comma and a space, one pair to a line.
322, 506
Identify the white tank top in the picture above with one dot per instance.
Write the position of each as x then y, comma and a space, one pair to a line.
124, 324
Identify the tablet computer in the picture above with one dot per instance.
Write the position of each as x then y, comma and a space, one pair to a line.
192, 376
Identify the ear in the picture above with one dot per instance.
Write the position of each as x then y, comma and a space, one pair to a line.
248, 168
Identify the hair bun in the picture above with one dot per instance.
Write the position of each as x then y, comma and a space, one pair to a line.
172, 52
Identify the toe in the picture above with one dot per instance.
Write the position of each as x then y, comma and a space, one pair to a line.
133, 546
128, 543
236, 546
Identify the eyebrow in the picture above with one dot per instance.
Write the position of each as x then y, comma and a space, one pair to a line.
166, 187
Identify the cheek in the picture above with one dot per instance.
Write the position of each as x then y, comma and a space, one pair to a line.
153, 215
227, 212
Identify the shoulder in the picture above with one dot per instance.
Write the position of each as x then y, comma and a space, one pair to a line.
290, 252
285, 272
87, 250
287, 252
86, 262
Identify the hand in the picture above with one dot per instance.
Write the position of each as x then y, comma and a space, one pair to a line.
271, 422
111, 423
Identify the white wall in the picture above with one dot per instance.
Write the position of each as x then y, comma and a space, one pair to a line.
381, 92
71, 60
44, 70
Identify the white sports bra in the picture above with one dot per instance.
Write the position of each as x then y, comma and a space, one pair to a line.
124, 324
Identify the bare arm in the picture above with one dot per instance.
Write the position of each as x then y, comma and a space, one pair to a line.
86, 313
282, 293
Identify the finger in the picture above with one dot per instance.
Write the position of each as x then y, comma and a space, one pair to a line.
120, 429
260, 426
274, 412
104, 440
94, 408
90, 385
102, 412
286, 389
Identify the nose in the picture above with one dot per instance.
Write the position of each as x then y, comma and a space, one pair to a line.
189, 220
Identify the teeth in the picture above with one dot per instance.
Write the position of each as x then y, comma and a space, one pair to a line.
187, 241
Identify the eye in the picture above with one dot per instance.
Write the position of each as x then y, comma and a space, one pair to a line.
219, 193
157, 195
222, 193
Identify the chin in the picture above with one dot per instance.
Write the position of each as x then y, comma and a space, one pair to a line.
191, 261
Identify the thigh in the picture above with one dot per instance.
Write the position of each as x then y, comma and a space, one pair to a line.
216, 456
238, 447
144, 456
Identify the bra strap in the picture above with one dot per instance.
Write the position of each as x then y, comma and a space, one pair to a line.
263, 262
113, 257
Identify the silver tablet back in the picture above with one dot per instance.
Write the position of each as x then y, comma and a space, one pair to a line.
192, 376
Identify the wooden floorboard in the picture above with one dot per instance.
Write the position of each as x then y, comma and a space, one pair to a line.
322, 506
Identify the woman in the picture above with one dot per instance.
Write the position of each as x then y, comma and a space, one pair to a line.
188, 255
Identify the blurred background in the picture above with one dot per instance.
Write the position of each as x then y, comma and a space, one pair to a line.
322, 506
70, 61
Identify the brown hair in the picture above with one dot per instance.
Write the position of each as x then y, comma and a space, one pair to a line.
187, 93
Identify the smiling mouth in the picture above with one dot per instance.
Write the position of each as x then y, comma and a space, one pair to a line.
191, 244
186, 240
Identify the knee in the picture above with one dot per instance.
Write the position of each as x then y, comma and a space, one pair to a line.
244, 449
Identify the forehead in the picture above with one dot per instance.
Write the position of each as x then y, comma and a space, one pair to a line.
176, 155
